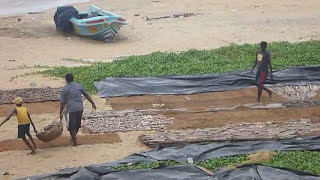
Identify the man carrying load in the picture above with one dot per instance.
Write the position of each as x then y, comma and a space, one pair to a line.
70, 97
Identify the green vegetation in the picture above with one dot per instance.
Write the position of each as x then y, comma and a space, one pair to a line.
78, 61
224, 59
191, 62
216, 163
146, 165
307, 161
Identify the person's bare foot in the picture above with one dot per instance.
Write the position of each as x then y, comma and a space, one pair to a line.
32, 152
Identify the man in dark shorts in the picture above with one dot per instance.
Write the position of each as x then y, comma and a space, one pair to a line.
24, 121
263, 61
70, 96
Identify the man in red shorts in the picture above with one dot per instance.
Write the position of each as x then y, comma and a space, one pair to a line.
263, 61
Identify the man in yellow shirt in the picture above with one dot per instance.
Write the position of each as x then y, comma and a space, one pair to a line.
24, 121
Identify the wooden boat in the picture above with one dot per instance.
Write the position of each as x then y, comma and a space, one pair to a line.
97, 24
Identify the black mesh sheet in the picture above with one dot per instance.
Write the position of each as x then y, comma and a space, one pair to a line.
129, 86
197, 152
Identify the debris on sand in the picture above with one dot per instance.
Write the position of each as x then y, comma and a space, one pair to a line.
260, 157
4, 173
305, 103
256, 158
40, 12
287, 104
179, 15
158, 105
33, 84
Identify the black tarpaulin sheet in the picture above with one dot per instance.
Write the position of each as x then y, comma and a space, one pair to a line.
259, 172
64, 173
251, 172
185, 172
197, 152
62, 18
129, 86
165, 173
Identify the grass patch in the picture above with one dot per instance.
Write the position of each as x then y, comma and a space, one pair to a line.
192, 62
140, 166
216, 163
306, 161
78, 61
30, 67
22, 75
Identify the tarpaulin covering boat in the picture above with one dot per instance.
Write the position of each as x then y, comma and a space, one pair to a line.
94, 23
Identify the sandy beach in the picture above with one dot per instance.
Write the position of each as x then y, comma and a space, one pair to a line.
34, 41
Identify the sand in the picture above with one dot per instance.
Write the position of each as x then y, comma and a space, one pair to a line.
52, 159
19, 164
197, 108
34, 41
42, 114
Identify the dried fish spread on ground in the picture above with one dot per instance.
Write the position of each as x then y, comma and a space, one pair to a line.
243, 131
112, 121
